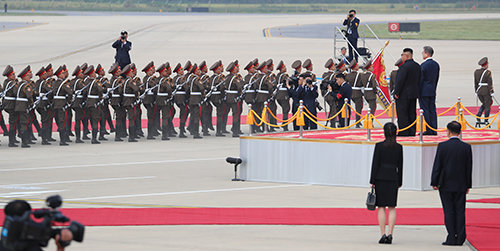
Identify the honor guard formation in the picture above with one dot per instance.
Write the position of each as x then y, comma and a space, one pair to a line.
187, 90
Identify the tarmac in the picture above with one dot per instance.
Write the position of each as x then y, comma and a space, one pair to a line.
193, 173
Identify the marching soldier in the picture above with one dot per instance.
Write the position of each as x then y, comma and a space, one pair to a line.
295, 90
180, 96
130, 92
282, 95
354, 79
394, 74
370, 86
44, 86
329, 80
24, 100
106, 113
138, 110
116, 102
297, 66
206, 107
341, 68
94, 95
271, 102
483, 84
62, 92
163, 94
50, 73
196, 96
309, 68
264, 88
2, 121
248, 92
85, 119
150, 82
33, 121
216, 95
77, 104
9, 102
234, 86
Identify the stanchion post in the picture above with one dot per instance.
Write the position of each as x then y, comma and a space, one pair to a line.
421, 118
459, 102
393, 115
266, 129
301, 107
347, 115
369, 132
460, 113
250, 125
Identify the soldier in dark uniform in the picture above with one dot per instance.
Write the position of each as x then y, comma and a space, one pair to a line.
106, 113
150, 81
2, 121
130, 93
394, 73
264, 87
116, 82
94, 94
271, 102
483, 84
181, 98
370, 86
24, 100
163, 94
354, 79
9, 102
248, 92
206, 107
329, 79
138, 118
217, 95
196, 95
44, 86
77, 104
33, 121
309, 69
86, 119
281, 90
233, 84
50, 73
296, 90
344, 92
62, 92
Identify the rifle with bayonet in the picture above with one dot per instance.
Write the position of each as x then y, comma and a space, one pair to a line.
41, 97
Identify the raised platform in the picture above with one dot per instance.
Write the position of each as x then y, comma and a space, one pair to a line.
344, 157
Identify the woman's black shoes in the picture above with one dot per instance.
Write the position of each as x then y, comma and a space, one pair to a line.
382, 239
385, 239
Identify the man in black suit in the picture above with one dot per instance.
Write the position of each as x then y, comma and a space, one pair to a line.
122, 46
406, 92
452, 175
344, 92
352, 23
430, 77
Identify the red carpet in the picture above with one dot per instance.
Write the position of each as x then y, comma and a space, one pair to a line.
483, 225
490, 200
321, 115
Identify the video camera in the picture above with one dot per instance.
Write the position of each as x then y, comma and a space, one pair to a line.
325, 83
22, 232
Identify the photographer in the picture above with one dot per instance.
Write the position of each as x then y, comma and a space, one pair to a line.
352, 23
310, 96
122, 46
296, 92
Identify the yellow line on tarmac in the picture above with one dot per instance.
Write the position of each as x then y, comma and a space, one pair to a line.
104, 203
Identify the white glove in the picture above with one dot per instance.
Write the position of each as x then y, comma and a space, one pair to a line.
493, 94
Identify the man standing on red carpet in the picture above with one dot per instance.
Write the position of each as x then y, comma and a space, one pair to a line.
452, 175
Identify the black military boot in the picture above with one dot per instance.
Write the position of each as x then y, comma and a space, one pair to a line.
101, 135
45, 136
25, 139
12, 138
285, 128
131, 134
151, 134
182, 131
78, 139
62, 139
165, 133
94, 137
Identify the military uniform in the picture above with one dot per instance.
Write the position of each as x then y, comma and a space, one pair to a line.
233, 84
370, 87
106, 113
354, 79
62, 93
44, 86
129, 97
78, 83
483, 85
94, 94
206, 107
329, 79
264, 88
138, 118
24, 100
196, 95
393, 75
2, 120
181, 99
282, 95
150, 83
217, 97
271, 102
163, 94
9, 103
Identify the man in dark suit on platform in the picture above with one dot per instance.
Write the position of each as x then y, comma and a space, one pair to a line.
344, 92
406, 92
122, 46
310, 96
452, 175
352, 23
428, 85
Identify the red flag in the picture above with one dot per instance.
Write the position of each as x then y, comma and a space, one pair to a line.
383, 94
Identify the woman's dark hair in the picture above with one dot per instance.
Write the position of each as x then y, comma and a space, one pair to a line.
390, 130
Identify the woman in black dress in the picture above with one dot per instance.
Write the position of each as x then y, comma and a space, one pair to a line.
387, 178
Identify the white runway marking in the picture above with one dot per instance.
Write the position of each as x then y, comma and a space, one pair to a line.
21, 194
185, 192
24, 186
109, 164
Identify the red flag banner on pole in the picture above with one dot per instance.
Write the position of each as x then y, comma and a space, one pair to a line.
383, 95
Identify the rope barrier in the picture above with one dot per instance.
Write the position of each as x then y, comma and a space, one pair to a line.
332, 128
473, 115
265, 122
279, 120
449, 109
328, 119
485, 127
